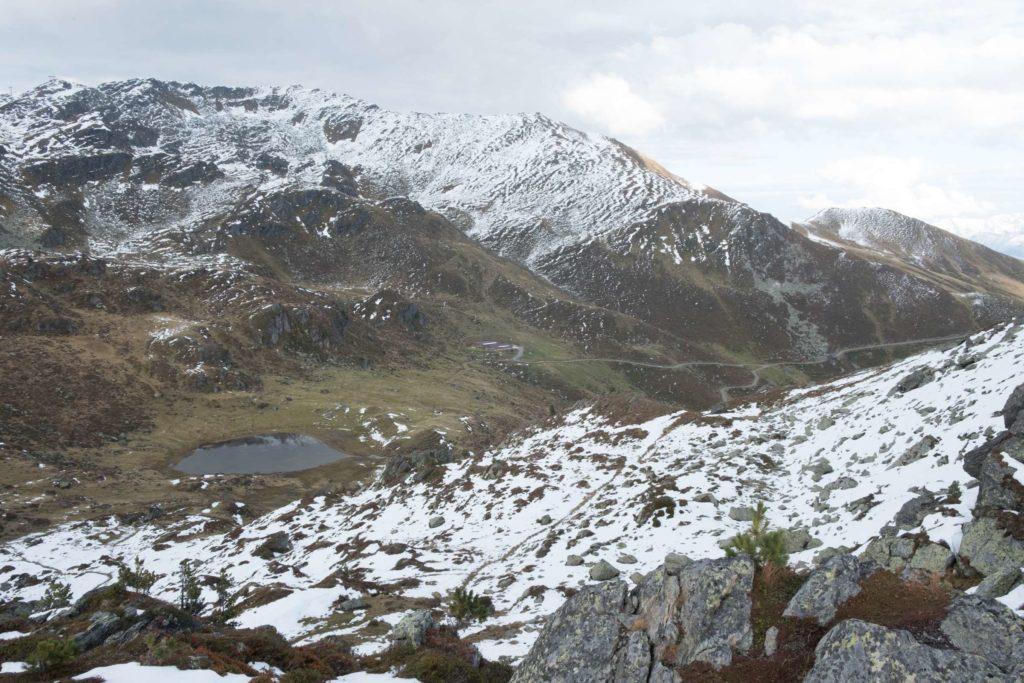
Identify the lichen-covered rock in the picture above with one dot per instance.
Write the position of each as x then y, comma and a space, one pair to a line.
999, 583
604, 633
674, 562
832, 584
412, 629
931, 558
889, 552
989, 548
580, 641
855, 650
984, 627
703, 614
603, 571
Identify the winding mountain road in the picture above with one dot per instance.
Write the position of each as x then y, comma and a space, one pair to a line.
754, 368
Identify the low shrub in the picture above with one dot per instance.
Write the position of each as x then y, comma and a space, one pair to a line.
57, 596
136, 578
52, 653
466, 606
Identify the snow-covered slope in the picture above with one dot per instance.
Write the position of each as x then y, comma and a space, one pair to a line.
838, 460
915, 242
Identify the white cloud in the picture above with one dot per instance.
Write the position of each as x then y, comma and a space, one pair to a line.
905, 185
609, 102
729, 73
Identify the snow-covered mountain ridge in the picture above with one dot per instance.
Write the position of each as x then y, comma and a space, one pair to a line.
916, 243
493, 174
172, 172
837, 464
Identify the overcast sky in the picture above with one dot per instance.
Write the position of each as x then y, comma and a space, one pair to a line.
790, 106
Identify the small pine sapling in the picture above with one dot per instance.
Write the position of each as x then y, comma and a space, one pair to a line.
764, 546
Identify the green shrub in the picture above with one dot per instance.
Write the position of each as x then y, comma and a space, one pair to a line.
763, 545
52, 653
190, 593
57, 596
466, 606
137, 578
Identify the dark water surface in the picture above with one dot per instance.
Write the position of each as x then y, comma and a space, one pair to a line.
260, 454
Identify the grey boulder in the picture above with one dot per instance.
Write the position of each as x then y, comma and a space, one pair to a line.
608, 633
832, 584
854, 651
603, 571
989, 548
412, 629
989, 629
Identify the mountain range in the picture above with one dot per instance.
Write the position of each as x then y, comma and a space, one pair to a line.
178, 173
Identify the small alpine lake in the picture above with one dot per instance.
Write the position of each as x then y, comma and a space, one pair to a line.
262, 454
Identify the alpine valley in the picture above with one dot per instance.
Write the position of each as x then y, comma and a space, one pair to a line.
590, 421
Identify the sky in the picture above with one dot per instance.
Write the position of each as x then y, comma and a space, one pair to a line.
788, 105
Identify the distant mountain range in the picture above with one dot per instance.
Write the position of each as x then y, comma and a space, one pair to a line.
327, 189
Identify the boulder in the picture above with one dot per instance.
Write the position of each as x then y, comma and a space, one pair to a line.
606, 633
626, 558
827, 588
435, 521
915, 510
703, 614
889, 552
931, 558
855, 650
998, 487
412, 629
1013, 409
741, 513
573, 561
796, 540
989, 548
603, 571
984, 627
915, 380
674, 562
999, 583
102, 625
580, 642
916, 452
